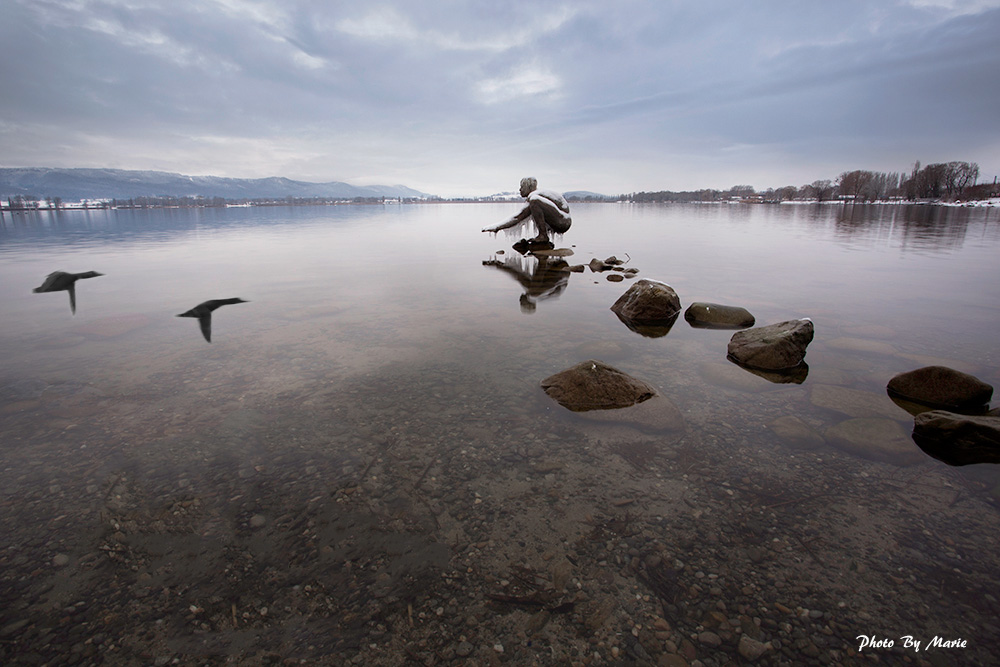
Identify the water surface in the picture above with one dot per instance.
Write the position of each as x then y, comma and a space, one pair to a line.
392, 354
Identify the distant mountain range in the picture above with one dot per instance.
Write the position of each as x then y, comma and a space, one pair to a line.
79, 184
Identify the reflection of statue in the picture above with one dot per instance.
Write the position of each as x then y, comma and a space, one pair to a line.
547, 209
546, 280
59, 281
203, 311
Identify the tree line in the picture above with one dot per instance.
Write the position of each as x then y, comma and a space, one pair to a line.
945, 181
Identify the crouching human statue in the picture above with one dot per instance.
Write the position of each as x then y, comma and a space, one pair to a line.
547, 209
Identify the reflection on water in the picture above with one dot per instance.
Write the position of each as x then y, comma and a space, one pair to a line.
97, 228
658, 330
540, 277
795, 375
362, 466
916, 227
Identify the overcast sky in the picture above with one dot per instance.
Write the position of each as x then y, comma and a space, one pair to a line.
457, 97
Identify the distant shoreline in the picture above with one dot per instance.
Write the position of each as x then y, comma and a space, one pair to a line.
101, 205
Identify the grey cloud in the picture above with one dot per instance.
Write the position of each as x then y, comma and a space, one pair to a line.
486, 81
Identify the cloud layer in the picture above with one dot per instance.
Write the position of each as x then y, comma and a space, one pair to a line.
466, 97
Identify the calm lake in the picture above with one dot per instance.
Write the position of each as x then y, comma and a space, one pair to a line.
361, 465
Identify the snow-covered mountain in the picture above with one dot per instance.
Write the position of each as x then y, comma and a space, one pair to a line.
78, 184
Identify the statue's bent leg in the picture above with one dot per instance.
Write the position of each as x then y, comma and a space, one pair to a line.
548, 218
558, 221
538, 216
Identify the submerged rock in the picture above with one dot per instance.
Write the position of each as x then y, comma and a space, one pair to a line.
795, 432
853, 402
752, 649
877, 439
941, 387
717, 316
657, 414
603, 349
593, 385
956, 439
861, 345
774, 347
648, 303
731, 376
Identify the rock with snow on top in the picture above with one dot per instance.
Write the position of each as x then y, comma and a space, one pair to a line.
648, 302
718, 316
594, 385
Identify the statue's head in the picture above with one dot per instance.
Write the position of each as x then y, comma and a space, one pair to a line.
528, 185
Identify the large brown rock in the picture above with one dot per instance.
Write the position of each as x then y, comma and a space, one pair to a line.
717, 316
648, 302
606, 395
956, 439
775, 347
593, 385
941, 387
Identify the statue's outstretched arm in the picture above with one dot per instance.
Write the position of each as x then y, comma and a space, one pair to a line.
524, 214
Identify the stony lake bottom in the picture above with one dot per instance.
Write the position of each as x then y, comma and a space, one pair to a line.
361, 468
